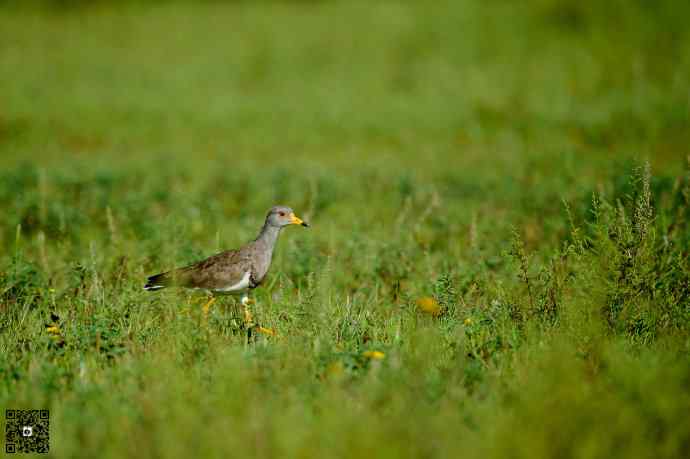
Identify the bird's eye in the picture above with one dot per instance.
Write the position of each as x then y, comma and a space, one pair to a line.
282, 214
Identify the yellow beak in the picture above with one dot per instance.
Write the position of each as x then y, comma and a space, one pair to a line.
295, 220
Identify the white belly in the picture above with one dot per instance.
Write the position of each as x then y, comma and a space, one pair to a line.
238, 287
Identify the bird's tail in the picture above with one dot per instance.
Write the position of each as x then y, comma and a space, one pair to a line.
158, 282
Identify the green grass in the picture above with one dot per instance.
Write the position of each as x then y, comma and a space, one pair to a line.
522, 163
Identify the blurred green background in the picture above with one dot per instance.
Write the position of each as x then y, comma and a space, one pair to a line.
521, 165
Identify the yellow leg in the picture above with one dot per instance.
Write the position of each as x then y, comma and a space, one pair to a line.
208, 305
248, 319
266, 331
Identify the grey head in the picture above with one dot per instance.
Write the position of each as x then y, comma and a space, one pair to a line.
280, 216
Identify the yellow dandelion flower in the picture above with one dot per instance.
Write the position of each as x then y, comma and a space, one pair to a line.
53, 329
374, 355
429, 305
468, 321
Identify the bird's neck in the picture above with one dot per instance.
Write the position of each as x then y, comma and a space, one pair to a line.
268, 236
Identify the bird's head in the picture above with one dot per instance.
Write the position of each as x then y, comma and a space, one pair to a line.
280, 216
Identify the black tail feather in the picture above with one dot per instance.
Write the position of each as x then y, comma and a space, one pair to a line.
157, 282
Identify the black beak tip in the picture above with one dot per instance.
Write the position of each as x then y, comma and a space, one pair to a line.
305, 224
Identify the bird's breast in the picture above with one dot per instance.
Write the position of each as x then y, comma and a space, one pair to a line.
261, 266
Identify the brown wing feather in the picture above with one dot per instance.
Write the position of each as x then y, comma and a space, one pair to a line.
216, 272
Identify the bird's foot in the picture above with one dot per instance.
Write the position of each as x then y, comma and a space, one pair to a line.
266, 331
248, 318
249, 322
208, 305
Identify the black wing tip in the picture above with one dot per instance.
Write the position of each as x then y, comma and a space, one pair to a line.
156, 282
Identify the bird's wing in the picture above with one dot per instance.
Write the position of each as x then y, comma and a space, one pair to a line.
216, 272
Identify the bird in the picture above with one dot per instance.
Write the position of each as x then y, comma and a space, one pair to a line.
232, 272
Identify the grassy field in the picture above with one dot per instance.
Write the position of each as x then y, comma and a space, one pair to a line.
498, 259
